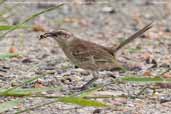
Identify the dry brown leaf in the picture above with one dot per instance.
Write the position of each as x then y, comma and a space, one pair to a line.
12, 50
147, 73
39, 28
39, 85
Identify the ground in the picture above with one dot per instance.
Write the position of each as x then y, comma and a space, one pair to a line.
104, 22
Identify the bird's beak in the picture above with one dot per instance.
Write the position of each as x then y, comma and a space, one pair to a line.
46, 35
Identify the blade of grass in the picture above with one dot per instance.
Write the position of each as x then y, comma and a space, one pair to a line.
9, 27
25, 82
67, 100
30, 18
73, 100
8, 56
145, 79
18, 92
29, 80
81, 101
9, 104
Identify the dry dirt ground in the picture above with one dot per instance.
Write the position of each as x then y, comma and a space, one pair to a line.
104, 22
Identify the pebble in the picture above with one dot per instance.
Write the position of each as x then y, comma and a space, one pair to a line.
108, 9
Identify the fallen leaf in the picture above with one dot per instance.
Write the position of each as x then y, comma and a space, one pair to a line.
39, 28
38, 85
12, 50
147, 73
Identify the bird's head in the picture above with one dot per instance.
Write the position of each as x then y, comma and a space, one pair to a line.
61, 36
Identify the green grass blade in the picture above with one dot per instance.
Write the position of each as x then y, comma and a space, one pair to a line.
44, 11
145, 79
25, 82
18, 92
9, 27
30, 18
81, 101
8, 56
8, 105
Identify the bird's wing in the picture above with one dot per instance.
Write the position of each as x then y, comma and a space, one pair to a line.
87, 51
92, 56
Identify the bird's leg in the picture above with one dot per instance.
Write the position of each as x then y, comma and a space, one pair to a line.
94, 73
89, 83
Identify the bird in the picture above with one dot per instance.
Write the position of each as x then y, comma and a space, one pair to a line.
89, 55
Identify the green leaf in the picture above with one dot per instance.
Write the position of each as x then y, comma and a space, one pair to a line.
9, 27
145, 79
30, 18
24, 92
9, 104
81, 101
8, 55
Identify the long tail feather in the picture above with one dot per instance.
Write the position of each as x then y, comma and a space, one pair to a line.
133, 37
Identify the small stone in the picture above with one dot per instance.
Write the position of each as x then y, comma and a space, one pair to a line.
14, 84
167, 29
26, 60
49, 68
85, 73
44, 56
108, 9
97, 111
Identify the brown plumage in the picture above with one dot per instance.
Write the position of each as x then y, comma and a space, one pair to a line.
89, 55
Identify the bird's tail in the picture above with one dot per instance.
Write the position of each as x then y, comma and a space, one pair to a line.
134, 36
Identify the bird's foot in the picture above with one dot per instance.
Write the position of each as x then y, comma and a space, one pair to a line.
86, 86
